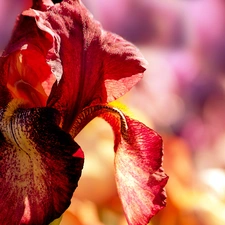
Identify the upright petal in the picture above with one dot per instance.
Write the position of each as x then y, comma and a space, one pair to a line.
39, 166
25, 63
98, 66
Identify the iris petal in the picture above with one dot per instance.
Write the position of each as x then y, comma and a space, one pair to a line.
40, 164
26, 78
38, 171
139, 174
138, 163
78, 39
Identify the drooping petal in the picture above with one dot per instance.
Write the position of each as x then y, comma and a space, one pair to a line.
98, 66
138, 163
39, 165
139, 175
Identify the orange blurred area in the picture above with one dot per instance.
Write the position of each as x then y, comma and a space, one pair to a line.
181, 96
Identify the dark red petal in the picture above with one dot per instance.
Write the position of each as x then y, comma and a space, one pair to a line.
38, 171
5, 96
139, 174
42, 4
98, 66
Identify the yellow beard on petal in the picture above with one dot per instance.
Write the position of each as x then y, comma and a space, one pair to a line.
11, 107
26, 165
38, 172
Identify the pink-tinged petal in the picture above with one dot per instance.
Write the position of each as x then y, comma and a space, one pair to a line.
138, 163
38, 171
98, 66
139, 174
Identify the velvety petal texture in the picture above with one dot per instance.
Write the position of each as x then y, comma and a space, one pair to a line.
98, 66
38, 169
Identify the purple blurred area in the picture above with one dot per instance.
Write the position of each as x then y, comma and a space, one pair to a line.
9, 10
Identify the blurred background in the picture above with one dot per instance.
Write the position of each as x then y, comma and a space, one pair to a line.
181, 96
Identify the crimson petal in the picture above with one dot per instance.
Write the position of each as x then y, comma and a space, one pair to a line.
5, 95
139, 174
38, 169
98, 66
138, 162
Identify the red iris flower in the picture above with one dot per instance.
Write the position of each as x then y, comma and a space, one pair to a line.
58, 72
